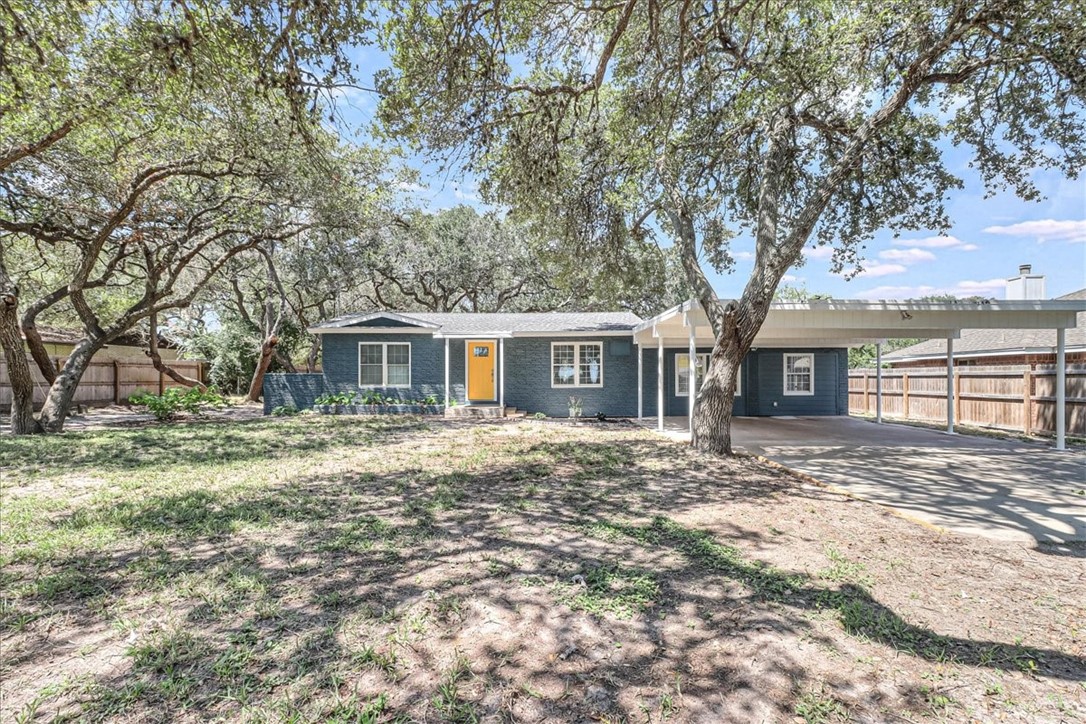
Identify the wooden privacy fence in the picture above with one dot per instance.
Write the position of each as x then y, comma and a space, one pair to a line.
105, 382
1012, 398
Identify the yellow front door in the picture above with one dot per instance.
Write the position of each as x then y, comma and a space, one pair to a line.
481, 365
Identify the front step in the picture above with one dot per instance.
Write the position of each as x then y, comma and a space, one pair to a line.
481, 411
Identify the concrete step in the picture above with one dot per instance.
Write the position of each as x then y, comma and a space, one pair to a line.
474, 411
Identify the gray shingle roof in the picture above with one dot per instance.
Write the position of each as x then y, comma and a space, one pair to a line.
501, 323
987, 341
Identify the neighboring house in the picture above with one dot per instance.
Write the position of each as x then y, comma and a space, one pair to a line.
1035, 348
59, 343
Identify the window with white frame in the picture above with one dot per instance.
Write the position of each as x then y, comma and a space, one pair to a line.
576, 364
799, 374
682, 374
384, 364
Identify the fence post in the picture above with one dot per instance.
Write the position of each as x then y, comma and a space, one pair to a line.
866, 408
1027, 402
116, 382
905, 395
958, 395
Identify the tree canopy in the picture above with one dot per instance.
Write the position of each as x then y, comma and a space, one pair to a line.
812, 122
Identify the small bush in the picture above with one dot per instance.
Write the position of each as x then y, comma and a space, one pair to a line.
336, 398
284, 411
174, 400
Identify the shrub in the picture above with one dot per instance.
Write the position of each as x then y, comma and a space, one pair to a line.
285, 411
166, 406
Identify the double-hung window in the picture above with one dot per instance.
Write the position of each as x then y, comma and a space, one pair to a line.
682, 374
384, 364
799, 374
577, 364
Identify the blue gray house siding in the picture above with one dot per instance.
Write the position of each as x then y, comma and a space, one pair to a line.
765, 384
297, 390
762, 384
340, 364
528, 377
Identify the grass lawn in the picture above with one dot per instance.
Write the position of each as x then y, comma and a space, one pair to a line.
390, 569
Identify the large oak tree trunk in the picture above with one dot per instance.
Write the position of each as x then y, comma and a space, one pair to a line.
711, 428
267, 352
22, 384
58, 402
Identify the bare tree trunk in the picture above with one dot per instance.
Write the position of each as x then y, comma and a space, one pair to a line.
156, 360
39, 353
58, 402
285, 361
314, 350
267, 351
22, 384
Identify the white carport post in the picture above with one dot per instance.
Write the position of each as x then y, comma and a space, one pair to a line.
950, 384
878, 382
640, 383
1061, 389
447, 398
660, 384
501, 375
691, 387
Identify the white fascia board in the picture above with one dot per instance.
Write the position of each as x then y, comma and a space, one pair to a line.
984, 353
473, 335
370, 330
394, 316
584, 333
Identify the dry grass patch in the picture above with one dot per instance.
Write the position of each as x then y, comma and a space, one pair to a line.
391, 569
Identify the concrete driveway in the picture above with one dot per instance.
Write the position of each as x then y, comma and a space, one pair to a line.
1000, 489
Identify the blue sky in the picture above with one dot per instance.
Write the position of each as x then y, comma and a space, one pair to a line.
988, 239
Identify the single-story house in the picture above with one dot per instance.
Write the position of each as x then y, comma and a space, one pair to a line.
620, 365
59, 342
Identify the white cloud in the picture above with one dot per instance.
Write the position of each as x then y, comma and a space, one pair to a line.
818, 252
1045, 230
463, 194
907, 256
935, 242
880, 270
967, 288
968, 247
744, 256
412, 188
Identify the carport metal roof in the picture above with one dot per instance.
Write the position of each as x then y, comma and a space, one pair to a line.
850, 322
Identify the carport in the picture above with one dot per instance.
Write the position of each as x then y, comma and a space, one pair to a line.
846, 323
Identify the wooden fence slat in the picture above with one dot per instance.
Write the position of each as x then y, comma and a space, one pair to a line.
1014, 399
104, 382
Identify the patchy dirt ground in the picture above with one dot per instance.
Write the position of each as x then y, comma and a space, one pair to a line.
352, 569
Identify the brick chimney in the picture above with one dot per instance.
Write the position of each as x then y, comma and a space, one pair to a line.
1026, 285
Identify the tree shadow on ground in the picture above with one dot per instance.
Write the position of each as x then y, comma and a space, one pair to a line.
329, 598
193, 444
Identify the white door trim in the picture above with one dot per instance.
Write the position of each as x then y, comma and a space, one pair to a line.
467, 370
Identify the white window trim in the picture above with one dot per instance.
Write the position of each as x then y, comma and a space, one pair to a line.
576, 365
705, 356
784, 375
384, 364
